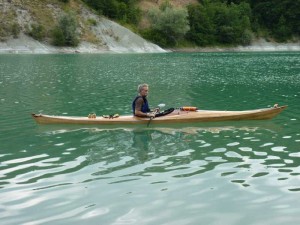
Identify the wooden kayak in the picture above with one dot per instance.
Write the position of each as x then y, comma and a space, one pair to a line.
177, 116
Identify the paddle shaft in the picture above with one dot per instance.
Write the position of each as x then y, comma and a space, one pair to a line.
149, 121
152, 117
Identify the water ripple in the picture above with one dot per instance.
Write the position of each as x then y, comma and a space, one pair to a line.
96, 175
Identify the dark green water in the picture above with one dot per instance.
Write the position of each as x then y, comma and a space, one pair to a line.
208, 173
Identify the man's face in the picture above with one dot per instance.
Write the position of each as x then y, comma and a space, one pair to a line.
144, 91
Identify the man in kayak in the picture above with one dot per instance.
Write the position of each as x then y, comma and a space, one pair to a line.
140, 106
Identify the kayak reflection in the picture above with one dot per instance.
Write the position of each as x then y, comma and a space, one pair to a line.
120, 154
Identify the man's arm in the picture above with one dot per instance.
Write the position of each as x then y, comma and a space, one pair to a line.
137, 111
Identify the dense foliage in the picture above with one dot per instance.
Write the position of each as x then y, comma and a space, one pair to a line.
206, 23
168, 25
211, 22
123, 10
279, 17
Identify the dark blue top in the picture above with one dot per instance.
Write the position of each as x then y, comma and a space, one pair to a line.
145, 107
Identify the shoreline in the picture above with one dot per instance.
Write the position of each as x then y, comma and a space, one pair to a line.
27, 45
258, 46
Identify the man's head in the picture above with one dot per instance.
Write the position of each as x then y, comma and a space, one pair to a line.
143, 89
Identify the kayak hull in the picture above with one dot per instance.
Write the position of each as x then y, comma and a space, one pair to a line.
175, 117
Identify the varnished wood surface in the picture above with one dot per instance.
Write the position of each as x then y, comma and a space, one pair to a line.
176, 117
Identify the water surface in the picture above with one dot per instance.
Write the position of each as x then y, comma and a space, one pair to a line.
218, 173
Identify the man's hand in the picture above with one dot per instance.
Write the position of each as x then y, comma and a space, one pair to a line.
151, 114
156, 110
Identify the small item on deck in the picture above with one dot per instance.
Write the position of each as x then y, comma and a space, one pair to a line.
116, 115
92, 116
189, 108
111, 116
275, 106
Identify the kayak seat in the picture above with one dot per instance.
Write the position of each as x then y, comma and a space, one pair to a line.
165, 112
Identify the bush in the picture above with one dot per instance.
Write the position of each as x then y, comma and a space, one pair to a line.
58, 37
37, 32
158, 38
15, 30
246, 38
92, 22
64, 34
170, 22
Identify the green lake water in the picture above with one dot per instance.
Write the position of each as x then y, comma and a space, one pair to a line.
233, 173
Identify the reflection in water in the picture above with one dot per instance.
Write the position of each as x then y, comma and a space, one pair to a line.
141, 139
123, 153
196, 161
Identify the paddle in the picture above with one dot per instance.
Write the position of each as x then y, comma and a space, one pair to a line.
156, 110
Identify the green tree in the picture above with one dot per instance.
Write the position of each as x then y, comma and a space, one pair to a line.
217, 22
279, 17
283, 31
123, 10
231, 22
202, 30
65, 33
172, 23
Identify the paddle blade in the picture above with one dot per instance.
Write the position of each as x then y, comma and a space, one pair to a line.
161, 105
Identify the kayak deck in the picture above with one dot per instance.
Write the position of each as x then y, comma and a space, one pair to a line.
177, 116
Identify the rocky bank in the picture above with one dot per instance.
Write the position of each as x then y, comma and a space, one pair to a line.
107, 35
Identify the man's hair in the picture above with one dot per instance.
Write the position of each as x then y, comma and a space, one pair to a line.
141, 86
